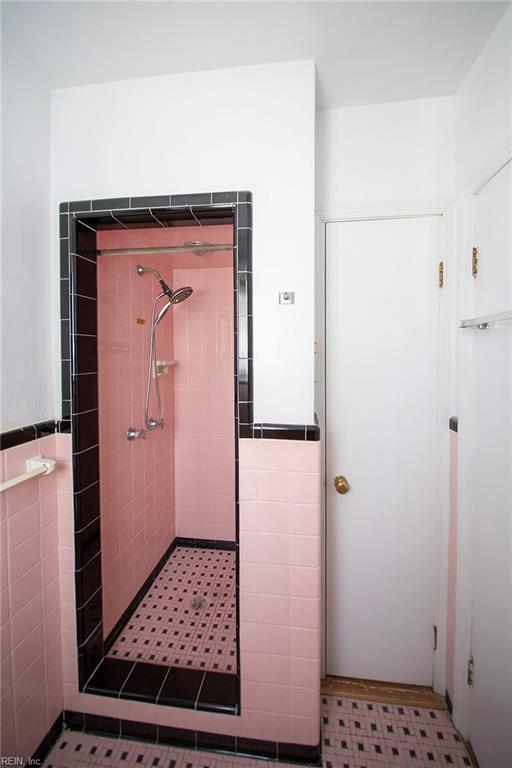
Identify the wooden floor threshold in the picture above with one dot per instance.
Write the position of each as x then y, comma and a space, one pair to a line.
386, 693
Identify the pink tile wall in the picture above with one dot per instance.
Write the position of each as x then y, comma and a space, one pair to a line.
280, 605
204, 403
452, 568
30, 623
137, 478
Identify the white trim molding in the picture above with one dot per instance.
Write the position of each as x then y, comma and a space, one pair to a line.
490, 168
385, 209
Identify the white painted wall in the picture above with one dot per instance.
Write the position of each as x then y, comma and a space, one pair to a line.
400, 151
246, 128
484, 103
27, 390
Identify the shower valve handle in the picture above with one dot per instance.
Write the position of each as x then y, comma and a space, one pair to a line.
133, 434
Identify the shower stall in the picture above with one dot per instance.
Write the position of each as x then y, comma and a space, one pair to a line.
167, 442
159, 382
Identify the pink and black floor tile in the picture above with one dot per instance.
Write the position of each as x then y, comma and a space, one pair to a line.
363, 734
188, 616
355, 734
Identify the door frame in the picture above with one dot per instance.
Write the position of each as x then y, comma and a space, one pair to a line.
465, 365
443, 208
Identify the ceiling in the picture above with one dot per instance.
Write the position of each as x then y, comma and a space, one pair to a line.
365, 52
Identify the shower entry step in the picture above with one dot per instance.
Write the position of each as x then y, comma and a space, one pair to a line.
187, 618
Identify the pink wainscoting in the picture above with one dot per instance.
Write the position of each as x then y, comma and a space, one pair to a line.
280, 605
30, 622
452, 568
137, 478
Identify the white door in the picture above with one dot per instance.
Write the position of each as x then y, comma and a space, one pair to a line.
382, 422
491, 480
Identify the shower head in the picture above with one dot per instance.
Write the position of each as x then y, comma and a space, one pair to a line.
165, 288
180, 294
175, 297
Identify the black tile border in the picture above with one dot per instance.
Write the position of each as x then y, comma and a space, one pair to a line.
26, 434
286, 431
165, 686
194, 740
454, 423
48, 741
183, 541
80, 220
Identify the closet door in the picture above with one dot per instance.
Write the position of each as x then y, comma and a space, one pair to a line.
382, 425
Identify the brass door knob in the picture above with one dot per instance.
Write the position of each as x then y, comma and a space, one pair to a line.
341, 484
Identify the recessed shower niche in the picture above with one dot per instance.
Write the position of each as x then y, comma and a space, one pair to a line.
156, 386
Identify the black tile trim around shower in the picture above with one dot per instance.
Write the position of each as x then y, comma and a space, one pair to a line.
165, 686
186, 541
79, 221
300, 754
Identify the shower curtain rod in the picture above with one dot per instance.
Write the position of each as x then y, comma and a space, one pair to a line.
169, 249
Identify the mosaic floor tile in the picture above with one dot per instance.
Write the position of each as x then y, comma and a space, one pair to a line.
188, 616
363, 734
355, 734
82, 750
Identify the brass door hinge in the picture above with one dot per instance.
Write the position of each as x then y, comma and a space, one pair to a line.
471, 665
474, 261
441, 274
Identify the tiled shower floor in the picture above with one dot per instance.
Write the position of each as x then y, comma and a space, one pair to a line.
188, 616
355, 734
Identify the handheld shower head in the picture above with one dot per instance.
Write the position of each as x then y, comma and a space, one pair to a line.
174, 297
162, 313
177, 296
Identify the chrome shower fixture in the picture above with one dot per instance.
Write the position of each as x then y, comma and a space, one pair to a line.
165, 288
173, 297
180, 294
